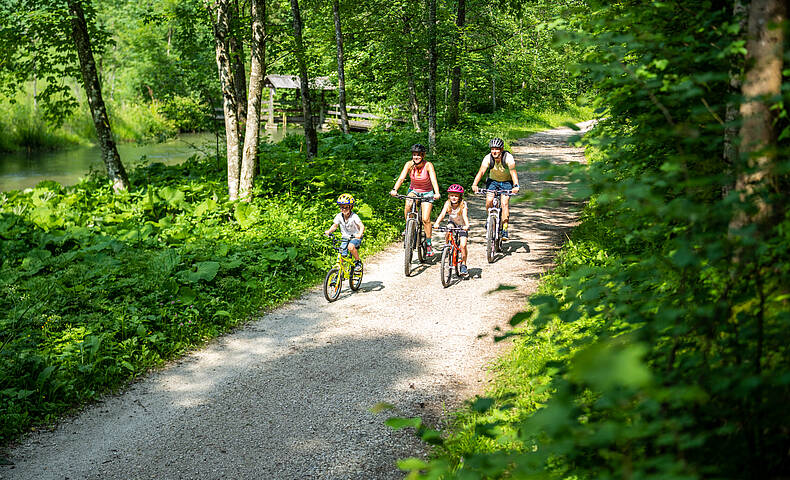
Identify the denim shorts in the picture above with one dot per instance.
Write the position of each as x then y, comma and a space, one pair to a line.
428, 194
499, 186
344, 245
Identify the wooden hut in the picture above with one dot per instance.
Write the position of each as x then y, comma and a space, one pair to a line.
292, 82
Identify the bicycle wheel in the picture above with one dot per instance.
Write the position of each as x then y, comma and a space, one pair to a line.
408, 249
332, 284
491, 238
355, 277
422, 247
447, 268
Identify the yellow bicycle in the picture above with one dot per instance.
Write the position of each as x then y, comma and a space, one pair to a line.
344, 268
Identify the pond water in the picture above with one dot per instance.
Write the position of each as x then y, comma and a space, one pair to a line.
23, 170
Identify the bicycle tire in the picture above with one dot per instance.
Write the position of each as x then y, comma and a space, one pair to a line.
355, 277
409, 246
422, 247
332, 284
491, 238
447, 269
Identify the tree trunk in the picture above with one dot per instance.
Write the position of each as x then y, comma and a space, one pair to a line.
413, 106
90, 80
311, 140
237, 66
220, 10
341, 68
730, 150
455, 75
762, 83
432, 63
249, 160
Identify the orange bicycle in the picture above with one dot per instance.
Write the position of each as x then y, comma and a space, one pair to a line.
451, 255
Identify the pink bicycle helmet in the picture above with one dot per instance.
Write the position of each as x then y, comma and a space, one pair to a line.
455, 188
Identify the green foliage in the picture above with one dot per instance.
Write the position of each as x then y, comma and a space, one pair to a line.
658, 347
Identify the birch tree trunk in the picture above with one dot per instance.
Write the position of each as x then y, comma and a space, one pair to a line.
341, 69
455, 75
762, 84
90, 80
432, 63
414, 108
249, 160
237, 66
220, 10
311, 140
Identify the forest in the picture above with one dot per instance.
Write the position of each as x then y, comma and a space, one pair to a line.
656, 348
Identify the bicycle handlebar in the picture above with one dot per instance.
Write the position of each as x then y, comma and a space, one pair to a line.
484, 191
450, 229
411, 197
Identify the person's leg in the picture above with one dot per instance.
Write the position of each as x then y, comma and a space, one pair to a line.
463, 249
427, 225
353, 247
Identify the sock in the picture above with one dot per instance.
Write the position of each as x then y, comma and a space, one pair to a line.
428, 241
504, 225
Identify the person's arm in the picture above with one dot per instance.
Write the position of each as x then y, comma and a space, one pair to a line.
361, 227
331, 229
434, 183
480, 172
400, 179
442, 213
514, 175
464, 216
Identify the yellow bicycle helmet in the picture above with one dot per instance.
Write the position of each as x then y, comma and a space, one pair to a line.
345, 199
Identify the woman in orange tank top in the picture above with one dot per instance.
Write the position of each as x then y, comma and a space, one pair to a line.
422, 184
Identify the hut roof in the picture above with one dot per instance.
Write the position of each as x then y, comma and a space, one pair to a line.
292, 82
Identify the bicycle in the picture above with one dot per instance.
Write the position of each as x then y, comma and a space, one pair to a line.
493, 225
414, 234
344, 268
451, 256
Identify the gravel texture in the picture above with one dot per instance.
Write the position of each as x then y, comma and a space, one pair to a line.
289, 395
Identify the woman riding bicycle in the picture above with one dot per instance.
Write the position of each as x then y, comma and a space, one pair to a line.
503, 177
457, 214
422, 184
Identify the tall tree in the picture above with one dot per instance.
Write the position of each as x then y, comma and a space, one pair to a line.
90, 80
249, 161
455, 74
414, 107
762, 85
220, 11
433, 60
311, 139
236, 47
341, 69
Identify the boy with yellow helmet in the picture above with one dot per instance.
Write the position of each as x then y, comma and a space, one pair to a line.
351, 227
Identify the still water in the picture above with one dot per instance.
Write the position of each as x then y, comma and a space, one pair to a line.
22, 170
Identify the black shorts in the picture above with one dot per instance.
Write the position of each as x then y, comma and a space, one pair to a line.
462, 233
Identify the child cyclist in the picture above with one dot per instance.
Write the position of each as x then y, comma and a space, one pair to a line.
457, 214
502, 177
351, 228
422, 184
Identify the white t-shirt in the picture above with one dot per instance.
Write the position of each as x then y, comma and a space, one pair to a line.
350, 227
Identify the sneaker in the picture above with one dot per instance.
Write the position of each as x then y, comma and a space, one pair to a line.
429, 251
504, 235
464, 271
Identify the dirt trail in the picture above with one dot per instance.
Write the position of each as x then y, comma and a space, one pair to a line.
288, 396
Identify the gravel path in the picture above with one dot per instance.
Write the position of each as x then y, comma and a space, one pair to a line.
289, 395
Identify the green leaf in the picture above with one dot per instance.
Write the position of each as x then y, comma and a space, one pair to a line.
186, 295
397, 423
205, 271
412, 463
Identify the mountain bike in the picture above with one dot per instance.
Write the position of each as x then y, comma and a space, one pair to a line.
493, 223
414, 235
344, 268
451, 256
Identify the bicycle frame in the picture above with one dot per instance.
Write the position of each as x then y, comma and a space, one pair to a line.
451, 255
493, 224
416, 239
